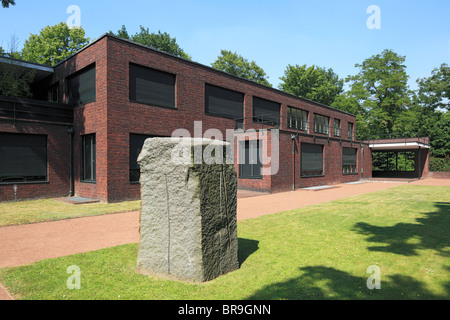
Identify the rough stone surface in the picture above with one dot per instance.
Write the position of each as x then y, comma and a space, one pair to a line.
188, 225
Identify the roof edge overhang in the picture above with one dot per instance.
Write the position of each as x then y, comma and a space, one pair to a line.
41, 71
398, 146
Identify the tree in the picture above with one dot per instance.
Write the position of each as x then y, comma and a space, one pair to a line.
54, 44
434, 91
235, 64
15, 81
160, 41
313, 83
379, 93
6, 3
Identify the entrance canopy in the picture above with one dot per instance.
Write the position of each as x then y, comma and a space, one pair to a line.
399, 158
399, 144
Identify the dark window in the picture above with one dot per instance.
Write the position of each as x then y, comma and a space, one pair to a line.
250, 166
321, 124
81, 86
266, 111
297, 119
88, 158
311, 160
53, 93
152, 87
223, 102
350, 131
337, 127
23, 157
349, 160
136, 144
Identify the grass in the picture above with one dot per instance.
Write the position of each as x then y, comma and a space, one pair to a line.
12, 213
317, 252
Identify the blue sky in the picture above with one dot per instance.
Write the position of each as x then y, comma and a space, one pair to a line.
327, 33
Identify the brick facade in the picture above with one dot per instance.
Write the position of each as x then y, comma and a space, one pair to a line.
113, 117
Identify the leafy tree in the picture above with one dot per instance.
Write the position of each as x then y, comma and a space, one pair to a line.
2, 52
14, 81
54, 44
235, 64
313, 83
6, 3
160, 41
379, 93
434, 91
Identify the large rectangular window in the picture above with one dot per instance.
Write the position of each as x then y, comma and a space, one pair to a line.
250, 166
311, 160
349, 160
297, 119
266, 111
152, 87
136, 144
223, 102
88, 161
321, 124
23, 157
81, 86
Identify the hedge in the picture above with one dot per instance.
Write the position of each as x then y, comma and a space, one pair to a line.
440, 164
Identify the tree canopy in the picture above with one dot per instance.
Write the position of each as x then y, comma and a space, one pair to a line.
313, 83
235, 64
54, 44
160, 41
7, 3
378, 93
434, 91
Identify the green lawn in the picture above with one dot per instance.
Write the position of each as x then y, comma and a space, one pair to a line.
12, 213
317, 252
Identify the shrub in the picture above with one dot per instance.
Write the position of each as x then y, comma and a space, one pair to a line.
440, 164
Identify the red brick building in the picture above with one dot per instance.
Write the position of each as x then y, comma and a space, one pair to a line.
104, 101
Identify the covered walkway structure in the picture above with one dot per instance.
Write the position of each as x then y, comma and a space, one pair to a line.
400, 158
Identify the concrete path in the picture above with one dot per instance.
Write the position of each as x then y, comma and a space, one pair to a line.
25, 244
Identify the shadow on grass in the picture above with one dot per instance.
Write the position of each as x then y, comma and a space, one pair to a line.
246, 248
430, 232
319, 282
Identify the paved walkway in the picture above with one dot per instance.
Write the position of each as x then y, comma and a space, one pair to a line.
25, 244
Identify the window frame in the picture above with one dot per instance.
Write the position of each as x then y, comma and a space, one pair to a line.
133, 96
29, 179
337, 130
130, 153
350, 130
91, 67
303, 123
218, 88
318, 125
269, 122
242, 156
92, 178
302, 171
352, 168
